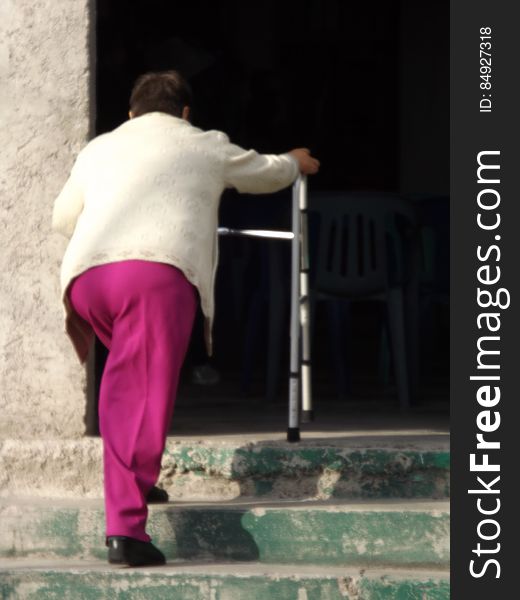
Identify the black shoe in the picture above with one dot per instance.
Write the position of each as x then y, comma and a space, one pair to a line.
134, 553
157, 495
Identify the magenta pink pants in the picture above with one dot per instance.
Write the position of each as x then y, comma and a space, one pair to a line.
143, 312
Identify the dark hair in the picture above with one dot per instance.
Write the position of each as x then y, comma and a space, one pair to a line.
163, 91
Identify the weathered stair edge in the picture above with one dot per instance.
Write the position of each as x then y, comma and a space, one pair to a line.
28, 581
220, 471
399, 533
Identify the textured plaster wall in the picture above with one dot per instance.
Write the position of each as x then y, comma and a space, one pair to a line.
44, 121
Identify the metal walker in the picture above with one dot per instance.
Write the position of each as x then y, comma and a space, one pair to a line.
300, 353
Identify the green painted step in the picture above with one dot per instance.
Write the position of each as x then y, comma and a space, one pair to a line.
322, 471
21, 580
319, 532
221, 470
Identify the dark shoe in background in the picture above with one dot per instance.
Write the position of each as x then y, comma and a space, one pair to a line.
205, 374
134, 553
157, 496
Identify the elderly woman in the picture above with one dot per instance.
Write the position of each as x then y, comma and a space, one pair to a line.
140, 208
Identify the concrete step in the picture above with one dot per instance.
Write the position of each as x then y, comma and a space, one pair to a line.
220, 469
86, 580
314, 532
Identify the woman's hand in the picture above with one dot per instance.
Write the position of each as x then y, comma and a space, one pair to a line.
308, 164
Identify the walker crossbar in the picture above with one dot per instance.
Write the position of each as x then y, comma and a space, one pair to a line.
300, 354
261, 233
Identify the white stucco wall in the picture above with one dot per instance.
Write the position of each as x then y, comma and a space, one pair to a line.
45, 75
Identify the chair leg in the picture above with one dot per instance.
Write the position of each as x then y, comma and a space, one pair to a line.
276, 329
277, 308
412, 330
336, 319
251, 343
384, 354
427, 333
238, 268
398, 340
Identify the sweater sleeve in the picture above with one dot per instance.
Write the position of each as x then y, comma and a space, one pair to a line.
254, 173
68, 205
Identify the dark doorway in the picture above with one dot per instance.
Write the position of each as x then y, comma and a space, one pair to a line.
272, 75
325, 74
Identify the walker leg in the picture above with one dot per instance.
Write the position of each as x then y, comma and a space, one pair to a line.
293, 430
307, 412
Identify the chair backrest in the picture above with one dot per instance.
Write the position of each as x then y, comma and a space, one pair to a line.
360, 241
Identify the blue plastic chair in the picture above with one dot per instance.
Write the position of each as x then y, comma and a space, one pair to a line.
363, 248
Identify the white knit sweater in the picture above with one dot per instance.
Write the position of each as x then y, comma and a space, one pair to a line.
150, 190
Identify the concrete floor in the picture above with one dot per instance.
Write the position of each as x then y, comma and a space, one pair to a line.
203, 413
